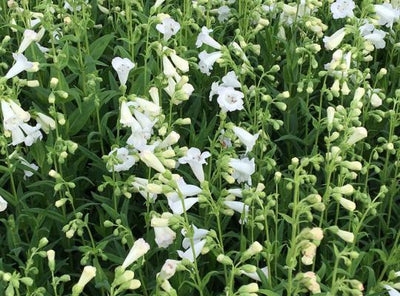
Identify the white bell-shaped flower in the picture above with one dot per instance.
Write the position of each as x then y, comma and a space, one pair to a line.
195, 159
168, 27
139, 248
243, 169
246, 138
205, 38
123, 67
207, 61
21, 64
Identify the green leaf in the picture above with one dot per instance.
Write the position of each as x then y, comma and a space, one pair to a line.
97, 47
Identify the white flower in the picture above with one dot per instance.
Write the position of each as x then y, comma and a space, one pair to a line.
346, 235
139, 248
207, 61
168, 68
342, 8
246, 138
125, 160
68, 6
347, 204
391, 291
205, 38
3, 204
164, 236
152, 161
89, 272
243, 169
376, 101
126, 117
333, 41
21, 64
46, 122
195, 159
230, 99
230, 79
387, 15
254, 275
168, 28
375, 36
27, 134
29, 37
239, 207
198, 243
224, 12
168, 269
123, 67
149, 108
184, 190
357, 134
330, 115
171, 139
179, 62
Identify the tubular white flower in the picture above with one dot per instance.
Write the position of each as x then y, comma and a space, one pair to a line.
207, 61
21, 64
347, 204
168, 28
168, 270
127, 119
179, 62
188, 254
46, 122
176, 206
149, 108
387, 15
239, 207
335, 39
152, 161
164, 236
153, 91
224, 12
358, 134
3, 204
123, 67
30, 136
89, 272
246, 138
346, 235
170, 140
342, 8
140, 185
243, 169
196, 159
168, 68
139, 248
330, 115
29, 37
19, 112
230, 79
32, 166
205, 38
376, 101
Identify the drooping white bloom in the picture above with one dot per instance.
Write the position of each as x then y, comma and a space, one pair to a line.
46, 122
149, 108
29, 37
230, 99
207, 61
168, 28
184, 191
387, 15
357, 134
196, 159
376, 101
246, 138
125, 160
123, 67
333, 41
126, 117
3, 204
243, 169
171, 139
239, 207
342, 8
168, 68
224, 12
330, 115
139, 248
168, 269
230, 79
254, 275
198, 243
179, 62
205, 38
375, 36
26, 133
391, 291
151, 161
164, 236
21, 64
347, 204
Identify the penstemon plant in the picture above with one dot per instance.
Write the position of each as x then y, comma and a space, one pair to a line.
209, 147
